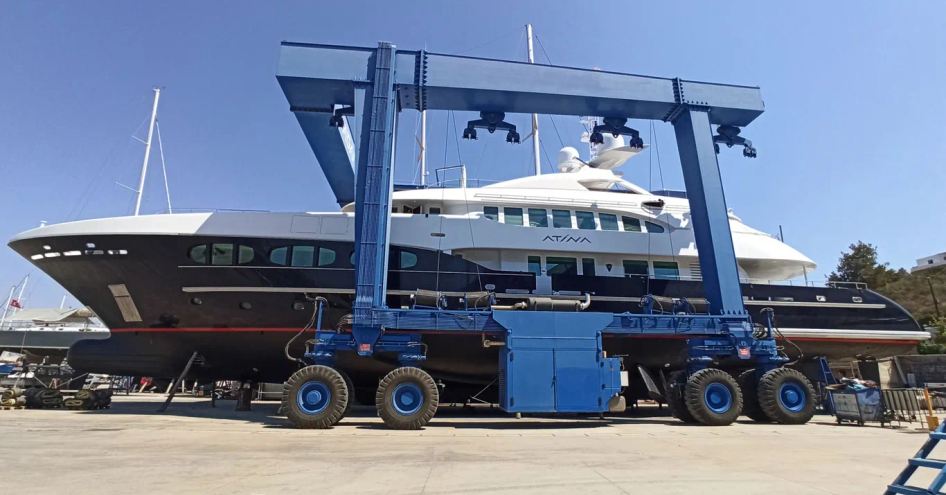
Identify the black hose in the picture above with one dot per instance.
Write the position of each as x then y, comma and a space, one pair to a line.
316, 306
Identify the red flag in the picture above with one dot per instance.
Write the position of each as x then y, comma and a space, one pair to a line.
16, 304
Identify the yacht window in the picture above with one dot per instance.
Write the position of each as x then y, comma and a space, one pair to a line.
434, 210
585, 219
408, 260
351, 257
588, 266
279, 255
535, 262
608, 221
561, 219
198, 254
222, 254
666, 270
326, 256
513, 216
245, 255
491, 212
303, 255
538, 217
653, 228
561, 266
635, 267
411, 209
631, 224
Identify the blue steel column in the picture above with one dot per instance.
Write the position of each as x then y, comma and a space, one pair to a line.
373, 197
708, 211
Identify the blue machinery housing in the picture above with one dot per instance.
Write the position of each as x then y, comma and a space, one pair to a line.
551, 361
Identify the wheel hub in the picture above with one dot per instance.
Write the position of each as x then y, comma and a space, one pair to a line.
718, 398
313, 397
407, 398
791, 397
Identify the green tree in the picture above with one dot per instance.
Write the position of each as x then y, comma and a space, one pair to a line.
860, 264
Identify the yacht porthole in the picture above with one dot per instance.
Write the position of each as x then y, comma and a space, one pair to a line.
857, 299
820, 298
47, 247
90, 245
196, 301
298, 306
246, 305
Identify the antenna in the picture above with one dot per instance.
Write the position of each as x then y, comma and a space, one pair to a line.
423, 148
144, 164
536, 157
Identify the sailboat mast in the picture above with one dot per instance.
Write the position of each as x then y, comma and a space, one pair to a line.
144, 164
6, 306
535, 117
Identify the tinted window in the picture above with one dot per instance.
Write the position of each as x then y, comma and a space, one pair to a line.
588, 266
326, 256
608, 221
666, 270
561, 219
491, 212
434, 210
586, 220
278, 256
408, 260
513, 216
653, 228
303, 255
631, 224
538, 217
561, 266
198, 254
535, 262
245, 255
222, 254
635, 267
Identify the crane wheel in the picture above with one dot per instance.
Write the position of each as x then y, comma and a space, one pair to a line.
675, 400
350, 385
713, 397
786, 396
315, 397
749, 385
407, 398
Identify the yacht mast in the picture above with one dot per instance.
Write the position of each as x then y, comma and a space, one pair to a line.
144, 164
19, 296
535, 117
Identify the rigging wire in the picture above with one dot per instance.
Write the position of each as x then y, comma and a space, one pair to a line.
164, 170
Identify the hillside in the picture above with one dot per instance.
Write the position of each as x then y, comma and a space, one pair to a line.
913, 292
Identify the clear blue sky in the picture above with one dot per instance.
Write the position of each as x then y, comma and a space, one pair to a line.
851, 146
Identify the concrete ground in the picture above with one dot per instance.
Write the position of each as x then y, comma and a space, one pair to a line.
195, 449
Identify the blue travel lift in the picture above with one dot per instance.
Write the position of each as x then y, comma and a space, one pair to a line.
551, 361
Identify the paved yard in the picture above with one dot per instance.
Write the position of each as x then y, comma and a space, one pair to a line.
193, 448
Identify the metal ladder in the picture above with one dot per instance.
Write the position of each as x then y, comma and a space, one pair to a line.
921, 459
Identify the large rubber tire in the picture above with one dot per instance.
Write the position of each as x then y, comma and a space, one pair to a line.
407, 398
315, 397
749, 385
675, 399
713, 397
786, 396
350, 385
